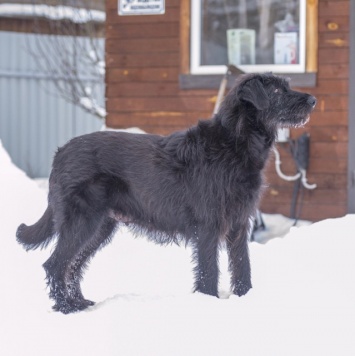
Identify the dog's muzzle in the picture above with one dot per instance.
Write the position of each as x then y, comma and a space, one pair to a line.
312, 101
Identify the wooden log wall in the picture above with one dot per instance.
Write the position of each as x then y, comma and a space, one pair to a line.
328, 127
143, 67
143, 57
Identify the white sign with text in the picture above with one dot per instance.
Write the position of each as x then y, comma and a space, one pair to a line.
141, 7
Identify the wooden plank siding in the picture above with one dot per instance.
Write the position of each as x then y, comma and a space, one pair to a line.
328, 127
143, 61
145, 56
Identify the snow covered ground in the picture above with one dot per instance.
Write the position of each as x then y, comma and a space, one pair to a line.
302, 302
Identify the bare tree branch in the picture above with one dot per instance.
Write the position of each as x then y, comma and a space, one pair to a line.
72, 53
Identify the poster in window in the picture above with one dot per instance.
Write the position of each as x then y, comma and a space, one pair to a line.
286, 46
241, 46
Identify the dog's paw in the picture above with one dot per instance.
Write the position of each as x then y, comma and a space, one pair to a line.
241, 288
208, 291
72, 306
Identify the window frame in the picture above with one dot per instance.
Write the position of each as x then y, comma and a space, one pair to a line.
195, 53
201, 81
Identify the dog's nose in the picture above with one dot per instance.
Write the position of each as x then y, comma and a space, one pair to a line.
312, 101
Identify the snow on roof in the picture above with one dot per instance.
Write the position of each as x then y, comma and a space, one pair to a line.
76, 15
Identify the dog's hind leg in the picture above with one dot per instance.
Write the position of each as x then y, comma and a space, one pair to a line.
78, 241
205, 256
239, 264
81, 259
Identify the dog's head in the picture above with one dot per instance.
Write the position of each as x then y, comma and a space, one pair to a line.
268, 100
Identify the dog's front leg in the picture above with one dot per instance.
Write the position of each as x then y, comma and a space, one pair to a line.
239, 263
205, 256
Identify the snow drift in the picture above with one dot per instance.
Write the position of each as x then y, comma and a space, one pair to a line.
302, 302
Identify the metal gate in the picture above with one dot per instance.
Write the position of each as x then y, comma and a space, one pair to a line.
34, 120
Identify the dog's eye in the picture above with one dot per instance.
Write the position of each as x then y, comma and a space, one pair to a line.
277, 91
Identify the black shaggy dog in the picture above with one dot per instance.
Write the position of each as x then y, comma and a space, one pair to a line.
200, 186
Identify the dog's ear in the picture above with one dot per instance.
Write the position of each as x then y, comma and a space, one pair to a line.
254, 92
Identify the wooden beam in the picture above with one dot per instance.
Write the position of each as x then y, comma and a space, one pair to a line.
312, 36
185, 36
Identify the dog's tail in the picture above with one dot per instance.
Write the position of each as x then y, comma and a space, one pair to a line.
38, 234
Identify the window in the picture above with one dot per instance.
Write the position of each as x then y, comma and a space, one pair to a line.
255, 35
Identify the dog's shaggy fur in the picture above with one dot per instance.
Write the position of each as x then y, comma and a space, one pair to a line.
201, 186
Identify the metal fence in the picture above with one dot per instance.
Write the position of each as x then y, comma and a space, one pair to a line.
34, 120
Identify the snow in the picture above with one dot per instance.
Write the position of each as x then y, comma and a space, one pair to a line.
302, 302
99, 64
76, 15
134, 130
90, 104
